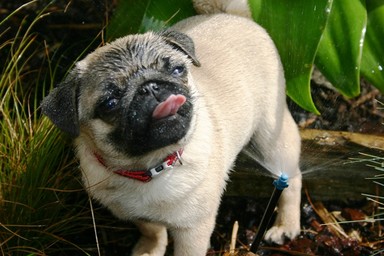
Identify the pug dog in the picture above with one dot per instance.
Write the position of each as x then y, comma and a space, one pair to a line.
159, 119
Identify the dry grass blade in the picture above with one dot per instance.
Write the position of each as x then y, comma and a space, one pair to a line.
329, 220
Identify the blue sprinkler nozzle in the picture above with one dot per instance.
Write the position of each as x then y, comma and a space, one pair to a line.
280, 184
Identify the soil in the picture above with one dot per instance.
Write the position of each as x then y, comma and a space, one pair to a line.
67, 33
363, 114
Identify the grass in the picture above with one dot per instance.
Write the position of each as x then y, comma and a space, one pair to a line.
41, 203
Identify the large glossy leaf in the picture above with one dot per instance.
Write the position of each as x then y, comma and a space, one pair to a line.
296, 28
339, 53
132, 16
372, 65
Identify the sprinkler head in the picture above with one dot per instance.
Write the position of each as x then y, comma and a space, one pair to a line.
282, 182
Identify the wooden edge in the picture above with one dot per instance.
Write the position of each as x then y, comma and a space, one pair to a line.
330, 137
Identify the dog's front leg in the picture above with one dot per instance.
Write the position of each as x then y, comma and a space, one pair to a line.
194, 240
153, 241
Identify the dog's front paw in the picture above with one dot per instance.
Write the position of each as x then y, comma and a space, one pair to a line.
147, 247
153, 241
278, 233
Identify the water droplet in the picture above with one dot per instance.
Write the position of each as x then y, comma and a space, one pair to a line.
361, 42
380, 68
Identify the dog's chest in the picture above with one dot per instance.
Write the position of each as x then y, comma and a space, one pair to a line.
158, 200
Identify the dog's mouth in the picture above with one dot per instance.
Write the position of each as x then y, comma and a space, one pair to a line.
169, 107
153, 122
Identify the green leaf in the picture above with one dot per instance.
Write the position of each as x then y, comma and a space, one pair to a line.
372, 63
132, 16
339, 53
296, 28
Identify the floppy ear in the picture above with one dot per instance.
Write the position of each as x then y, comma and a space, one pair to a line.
181, 42
61, 105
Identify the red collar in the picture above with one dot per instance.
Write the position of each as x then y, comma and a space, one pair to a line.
146, 175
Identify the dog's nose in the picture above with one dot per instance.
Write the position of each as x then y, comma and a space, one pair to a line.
150, 88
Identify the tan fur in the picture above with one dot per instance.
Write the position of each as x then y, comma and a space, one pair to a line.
235, 7
240, 97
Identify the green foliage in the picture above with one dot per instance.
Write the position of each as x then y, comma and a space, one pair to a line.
296, 28
341, 44
348, 46
372, 63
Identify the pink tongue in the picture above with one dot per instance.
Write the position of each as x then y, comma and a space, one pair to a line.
169, 107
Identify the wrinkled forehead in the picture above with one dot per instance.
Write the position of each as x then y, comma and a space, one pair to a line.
126, 56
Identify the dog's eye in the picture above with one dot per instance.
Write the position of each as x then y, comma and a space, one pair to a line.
106, 107
110, 104
178, 71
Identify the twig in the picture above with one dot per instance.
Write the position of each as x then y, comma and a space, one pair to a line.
232, 246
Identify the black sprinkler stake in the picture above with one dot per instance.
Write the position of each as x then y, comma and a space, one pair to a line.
280, 184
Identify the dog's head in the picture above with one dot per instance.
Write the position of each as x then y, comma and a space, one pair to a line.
133, 93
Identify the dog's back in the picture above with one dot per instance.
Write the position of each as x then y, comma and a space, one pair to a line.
242, 67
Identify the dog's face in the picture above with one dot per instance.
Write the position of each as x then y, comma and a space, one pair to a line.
133, 94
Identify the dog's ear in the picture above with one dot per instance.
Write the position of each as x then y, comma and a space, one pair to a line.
61, 105
181, 42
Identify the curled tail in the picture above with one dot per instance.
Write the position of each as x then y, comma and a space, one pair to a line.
235, 7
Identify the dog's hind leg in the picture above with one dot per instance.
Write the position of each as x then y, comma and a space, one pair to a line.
287, 223
153, 241
279, 152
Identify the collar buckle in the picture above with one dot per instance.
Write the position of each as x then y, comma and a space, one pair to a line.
158, 169
166, 165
